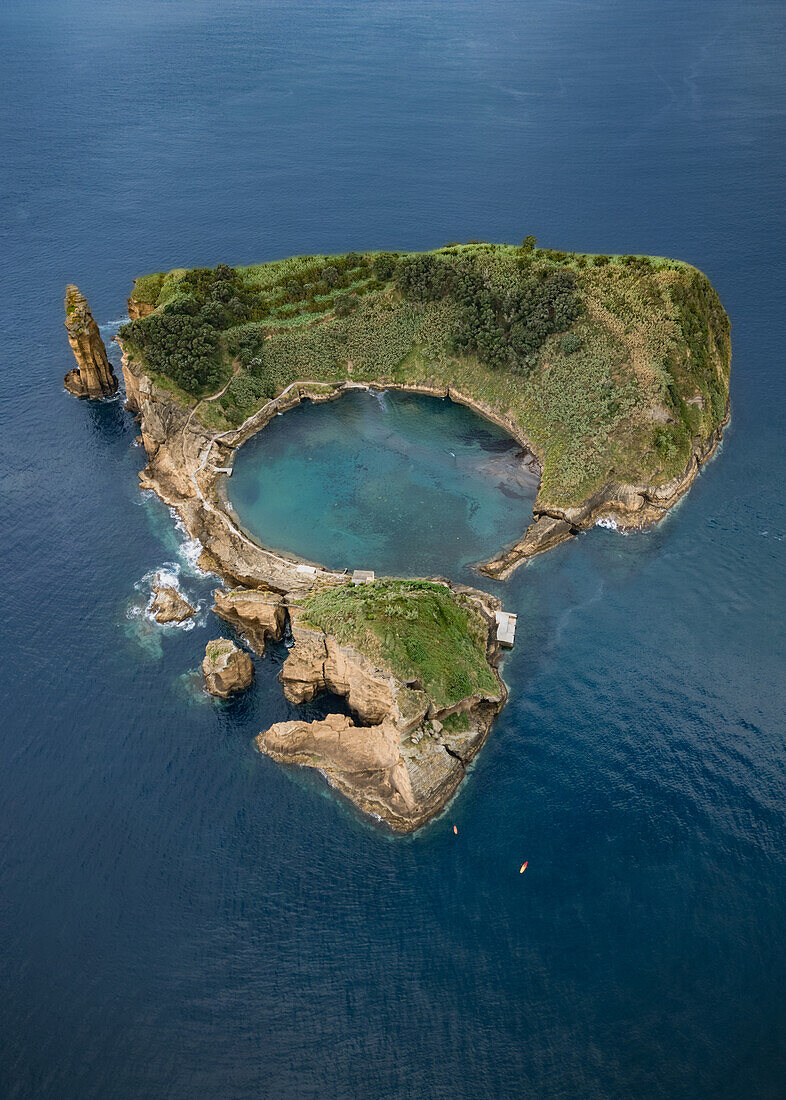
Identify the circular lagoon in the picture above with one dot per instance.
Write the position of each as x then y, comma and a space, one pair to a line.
399, 483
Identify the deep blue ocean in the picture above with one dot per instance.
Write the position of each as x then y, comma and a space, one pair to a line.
182, 918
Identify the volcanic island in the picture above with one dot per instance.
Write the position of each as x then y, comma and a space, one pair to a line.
611, 372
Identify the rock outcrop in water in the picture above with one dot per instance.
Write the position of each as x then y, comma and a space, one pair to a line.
364, 763
227, 669
169, 606
258, 616
93, 376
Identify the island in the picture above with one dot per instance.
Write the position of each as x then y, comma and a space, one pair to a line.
612, 372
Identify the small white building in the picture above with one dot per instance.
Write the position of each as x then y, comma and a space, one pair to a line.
363, 576
506, 628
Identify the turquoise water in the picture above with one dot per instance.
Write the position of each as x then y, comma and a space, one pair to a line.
181, 918
398, 483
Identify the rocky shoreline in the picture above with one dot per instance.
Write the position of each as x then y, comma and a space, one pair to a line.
187, 464
400, 765
401, 755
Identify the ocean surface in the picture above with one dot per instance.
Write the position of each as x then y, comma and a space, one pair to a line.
181, 917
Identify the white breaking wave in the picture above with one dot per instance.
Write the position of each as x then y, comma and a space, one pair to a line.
189, 548
380, 396
608, 522
113, 326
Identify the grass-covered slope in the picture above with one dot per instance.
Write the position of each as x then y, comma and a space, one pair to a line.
416, 630
613, 366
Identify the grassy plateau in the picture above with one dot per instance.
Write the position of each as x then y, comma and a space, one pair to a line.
613, 366
416, 630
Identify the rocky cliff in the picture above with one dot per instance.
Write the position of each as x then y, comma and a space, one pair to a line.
93, 376
403, 752
258, 616
138, 309
184, 463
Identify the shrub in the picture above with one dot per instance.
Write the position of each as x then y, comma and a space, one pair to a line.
183, 304
425, 278
214, 314
343, 305
570, 342
383, 266
179, 346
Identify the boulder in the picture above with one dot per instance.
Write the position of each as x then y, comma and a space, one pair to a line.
169, 606
227, 669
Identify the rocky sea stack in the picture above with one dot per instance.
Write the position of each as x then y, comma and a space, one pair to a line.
227, 669
168, 605
93, 376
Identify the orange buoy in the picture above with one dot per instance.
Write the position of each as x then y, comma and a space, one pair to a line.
455, 829
523, 867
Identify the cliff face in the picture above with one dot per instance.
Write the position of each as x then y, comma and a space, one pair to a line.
401, 755
137, 309
257, 615
93, 376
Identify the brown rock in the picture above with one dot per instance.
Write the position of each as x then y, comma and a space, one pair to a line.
405, 763
93, 376
257, 615
543, 534
137, 310
318, 662
227, 669
364, 762
169, 606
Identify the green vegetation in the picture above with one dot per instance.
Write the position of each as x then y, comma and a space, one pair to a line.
456, 723
416, 629
612, 365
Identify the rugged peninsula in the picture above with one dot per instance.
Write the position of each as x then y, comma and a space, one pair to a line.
93, 376
612, 371
416, 662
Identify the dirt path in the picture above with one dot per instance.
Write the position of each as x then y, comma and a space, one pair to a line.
236, 368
